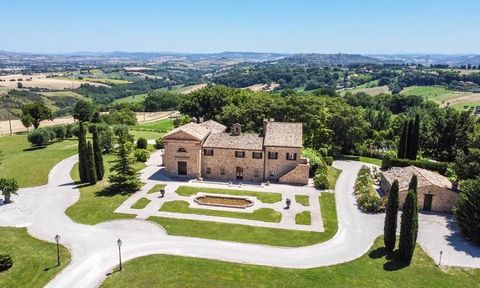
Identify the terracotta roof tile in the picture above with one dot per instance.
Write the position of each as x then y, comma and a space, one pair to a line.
247, 141
425, 177
283, 134
214, 126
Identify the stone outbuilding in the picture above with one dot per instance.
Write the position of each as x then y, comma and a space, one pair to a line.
435, 192
206, 150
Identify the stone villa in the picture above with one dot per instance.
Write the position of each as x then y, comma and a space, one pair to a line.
435, 192
206, 150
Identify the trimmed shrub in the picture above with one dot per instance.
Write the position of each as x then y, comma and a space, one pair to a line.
5, 262
159, 143
68, 131
141, 143
321, 181
39, 137
60, 131
75, 130
51, 133
368, 199
141, 155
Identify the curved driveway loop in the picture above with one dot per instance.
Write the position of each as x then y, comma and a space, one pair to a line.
94, 250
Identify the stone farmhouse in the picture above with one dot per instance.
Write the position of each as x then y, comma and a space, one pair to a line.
435, 192
205, 150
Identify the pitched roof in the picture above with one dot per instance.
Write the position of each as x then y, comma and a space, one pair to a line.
214, 126
425, 177
283, 134
247, 141
197, 131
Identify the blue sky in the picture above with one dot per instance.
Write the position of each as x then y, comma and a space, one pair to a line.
348, 26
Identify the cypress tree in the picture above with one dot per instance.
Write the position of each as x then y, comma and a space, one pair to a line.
390, 226
415, 137
124, 177
410, 141
92, 174
409, 224
82, 153
97, 152
402, 146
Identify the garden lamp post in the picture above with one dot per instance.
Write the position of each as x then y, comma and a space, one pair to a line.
440, 259
119, 243
57, 239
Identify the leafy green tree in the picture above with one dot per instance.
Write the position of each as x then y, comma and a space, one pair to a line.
39, 137
82, 153
124, 178
36, 112
402, 146
390, 226
26, 120
9, 187
92, 173
467, 209
83, 111
409, 223
98, 154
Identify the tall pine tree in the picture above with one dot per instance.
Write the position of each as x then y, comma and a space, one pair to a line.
409, 223
92, 174
402, 146
124, 178
390, 226
82, 153
98, 154
410, 144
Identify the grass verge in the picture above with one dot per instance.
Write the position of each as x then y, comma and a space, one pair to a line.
251, 234
265, 197
303, 218
332, 176
262, 214
34, 261
141, 203
156, 188
95, 206
374, 269
30, 165
302, 200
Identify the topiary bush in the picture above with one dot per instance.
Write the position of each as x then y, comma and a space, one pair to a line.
141, 155
39, 137
60, 131
142, 143
5, 262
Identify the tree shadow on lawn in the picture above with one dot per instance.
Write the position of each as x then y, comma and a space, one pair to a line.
108, 192
393, 263
35, 148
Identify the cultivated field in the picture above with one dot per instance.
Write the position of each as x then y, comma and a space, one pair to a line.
262, 87
368, 90
444, 96
41, 81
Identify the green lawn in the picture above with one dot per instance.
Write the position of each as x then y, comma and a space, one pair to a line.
95, 206
374, 269
34, 261
262, 214
430, 92
251, 234
30, 165
302, 199
370, 160
156, 188
332, 176
158, 126
145, 134
141, 203
265, 197
303, 218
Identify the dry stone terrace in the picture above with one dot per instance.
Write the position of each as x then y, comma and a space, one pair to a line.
152, 176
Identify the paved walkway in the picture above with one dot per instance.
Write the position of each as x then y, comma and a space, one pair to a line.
94, 250
153, 175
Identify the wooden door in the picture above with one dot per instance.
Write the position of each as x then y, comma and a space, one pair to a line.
182, 168
427, 202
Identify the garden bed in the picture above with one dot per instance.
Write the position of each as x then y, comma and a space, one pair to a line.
222, 201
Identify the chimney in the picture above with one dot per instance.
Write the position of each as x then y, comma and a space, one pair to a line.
194, 120
237, 129
200, 119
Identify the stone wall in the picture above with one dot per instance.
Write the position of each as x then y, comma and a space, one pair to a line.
192, 156
280, 166
443, 199
299, 175
225, 159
